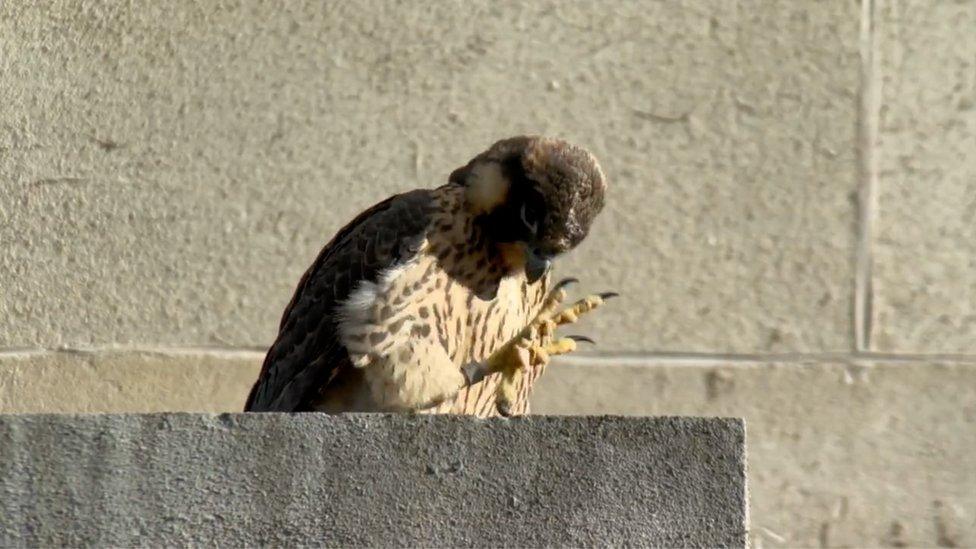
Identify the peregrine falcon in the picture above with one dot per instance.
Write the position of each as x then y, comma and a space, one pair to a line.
439, 300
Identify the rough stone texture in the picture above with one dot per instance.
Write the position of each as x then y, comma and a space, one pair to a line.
168, 170
126, 382
840, 455
381, 481
925, 250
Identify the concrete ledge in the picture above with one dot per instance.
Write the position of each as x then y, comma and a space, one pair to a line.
310, 479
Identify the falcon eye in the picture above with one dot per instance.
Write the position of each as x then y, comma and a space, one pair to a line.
528, 218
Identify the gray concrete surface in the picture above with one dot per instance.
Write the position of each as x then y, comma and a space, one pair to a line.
168, 170
925, 268
841, 453
246, 480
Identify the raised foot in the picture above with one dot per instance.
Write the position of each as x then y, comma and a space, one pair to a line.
537, 342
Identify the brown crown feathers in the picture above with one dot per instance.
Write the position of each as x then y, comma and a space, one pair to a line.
542, 191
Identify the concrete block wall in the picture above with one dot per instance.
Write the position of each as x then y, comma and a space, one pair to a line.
791, 213
260, 480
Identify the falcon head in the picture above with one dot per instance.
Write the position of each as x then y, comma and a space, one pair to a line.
536, 193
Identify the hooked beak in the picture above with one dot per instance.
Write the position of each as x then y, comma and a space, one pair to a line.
536, 264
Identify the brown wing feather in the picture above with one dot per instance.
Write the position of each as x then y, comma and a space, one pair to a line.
307, 353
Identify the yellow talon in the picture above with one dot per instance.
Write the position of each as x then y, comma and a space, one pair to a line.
535, 344
561, 347
571, 314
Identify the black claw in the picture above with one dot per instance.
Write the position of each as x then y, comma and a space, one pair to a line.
582, 339
608, 295
504, 410
563, 283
